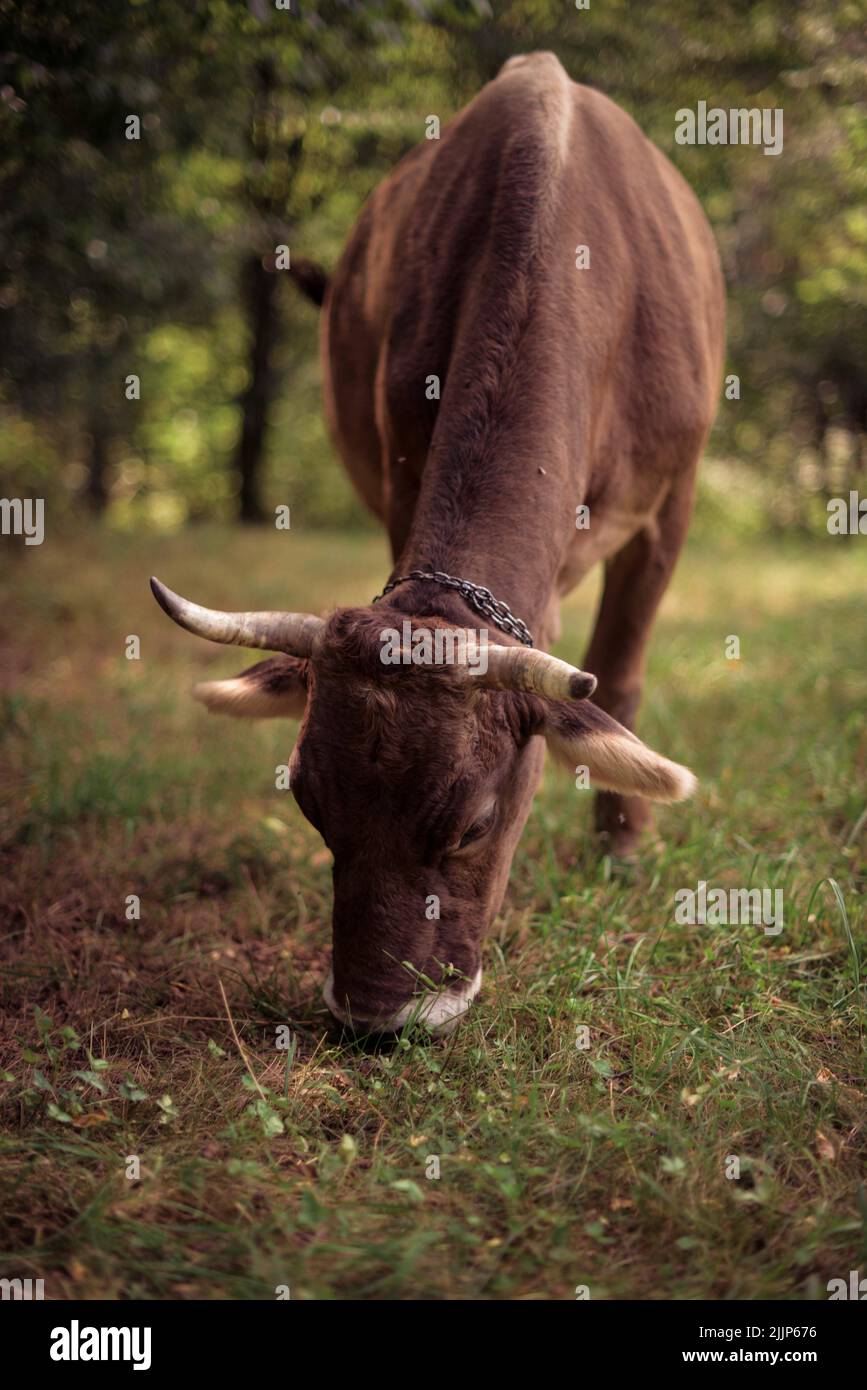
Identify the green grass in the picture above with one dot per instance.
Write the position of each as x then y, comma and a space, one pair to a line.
559, 1166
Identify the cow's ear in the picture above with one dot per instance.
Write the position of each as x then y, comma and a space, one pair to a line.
580, 735
271, 689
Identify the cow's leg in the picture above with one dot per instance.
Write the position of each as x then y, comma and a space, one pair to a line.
636, 578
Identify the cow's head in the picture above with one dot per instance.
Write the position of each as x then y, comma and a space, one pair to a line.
419, 779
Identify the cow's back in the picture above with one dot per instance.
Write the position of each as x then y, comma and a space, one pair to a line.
462, 268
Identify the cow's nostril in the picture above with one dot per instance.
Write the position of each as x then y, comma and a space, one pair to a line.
439, 1012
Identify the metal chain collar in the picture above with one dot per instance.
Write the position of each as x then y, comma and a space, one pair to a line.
476, 595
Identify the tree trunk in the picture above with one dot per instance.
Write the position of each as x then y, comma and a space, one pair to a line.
261, 309
258, 296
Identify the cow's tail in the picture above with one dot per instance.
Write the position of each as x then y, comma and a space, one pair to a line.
310, 278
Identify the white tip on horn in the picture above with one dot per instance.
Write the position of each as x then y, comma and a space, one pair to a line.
526, 668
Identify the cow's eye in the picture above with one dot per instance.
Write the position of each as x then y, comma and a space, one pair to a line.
478, 828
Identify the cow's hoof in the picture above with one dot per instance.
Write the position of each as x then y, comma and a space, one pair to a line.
623, 850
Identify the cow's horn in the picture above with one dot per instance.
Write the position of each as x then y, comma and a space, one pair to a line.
526, 668
295, 633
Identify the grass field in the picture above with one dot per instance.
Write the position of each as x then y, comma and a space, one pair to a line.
559, 1167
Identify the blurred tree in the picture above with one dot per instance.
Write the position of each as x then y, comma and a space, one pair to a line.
96, 106
262, 126
269, 197
294, 62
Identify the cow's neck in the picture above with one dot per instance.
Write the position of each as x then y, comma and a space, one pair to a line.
503, 521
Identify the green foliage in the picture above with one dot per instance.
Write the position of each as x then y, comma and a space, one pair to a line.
262, 126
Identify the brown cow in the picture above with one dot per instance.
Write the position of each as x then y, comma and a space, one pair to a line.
560, 387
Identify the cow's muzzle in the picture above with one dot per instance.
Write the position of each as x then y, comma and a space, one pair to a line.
437, 1011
